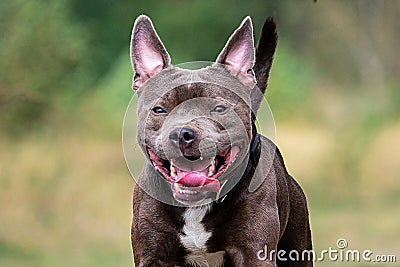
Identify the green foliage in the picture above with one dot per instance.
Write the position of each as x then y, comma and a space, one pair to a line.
40, 49
290, 83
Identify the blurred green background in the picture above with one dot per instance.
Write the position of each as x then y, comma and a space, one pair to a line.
65, 77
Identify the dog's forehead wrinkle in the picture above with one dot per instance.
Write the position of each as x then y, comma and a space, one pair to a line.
173, 77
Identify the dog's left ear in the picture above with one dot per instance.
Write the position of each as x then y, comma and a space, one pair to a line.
238, 53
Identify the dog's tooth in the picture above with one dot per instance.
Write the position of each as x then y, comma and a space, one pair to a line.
188, 192
173, 171
184, 191
176, 186
211, 169
201, 158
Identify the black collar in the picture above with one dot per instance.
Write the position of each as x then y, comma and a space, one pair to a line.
255, 145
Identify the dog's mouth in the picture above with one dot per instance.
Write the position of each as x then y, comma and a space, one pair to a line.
190, 180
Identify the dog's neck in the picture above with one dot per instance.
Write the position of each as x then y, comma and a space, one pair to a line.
254, 156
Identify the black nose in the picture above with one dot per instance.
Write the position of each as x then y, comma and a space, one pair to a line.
182, 136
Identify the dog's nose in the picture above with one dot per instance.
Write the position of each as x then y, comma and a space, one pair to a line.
182, 136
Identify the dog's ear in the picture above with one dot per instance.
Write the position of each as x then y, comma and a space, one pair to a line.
265, 52
238, 53
148, 54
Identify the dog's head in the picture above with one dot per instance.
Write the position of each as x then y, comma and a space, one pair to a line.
195, 126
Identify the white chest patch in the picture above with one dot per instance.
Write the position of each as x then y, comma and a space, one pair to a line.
195, 237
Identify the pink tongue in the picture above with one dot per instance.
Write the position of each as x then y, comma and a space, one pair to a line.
198, 179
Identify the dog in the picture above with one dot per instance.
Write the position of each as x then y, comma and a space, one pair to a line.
213, 191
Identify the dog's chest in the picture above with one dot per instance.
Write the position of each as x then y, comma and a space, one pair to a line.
195, 237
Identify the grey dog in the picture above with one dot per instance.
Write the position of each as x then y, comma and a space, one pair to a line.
213, 191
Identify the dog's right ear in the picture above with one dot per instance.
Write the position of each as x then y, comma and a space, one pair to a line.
148, 54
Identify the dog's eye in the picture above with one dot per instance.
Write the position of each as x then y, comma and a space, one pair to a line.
158, 110
220, 109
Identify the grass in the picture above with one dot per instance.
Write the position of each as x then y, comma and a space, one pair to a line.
66, 201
